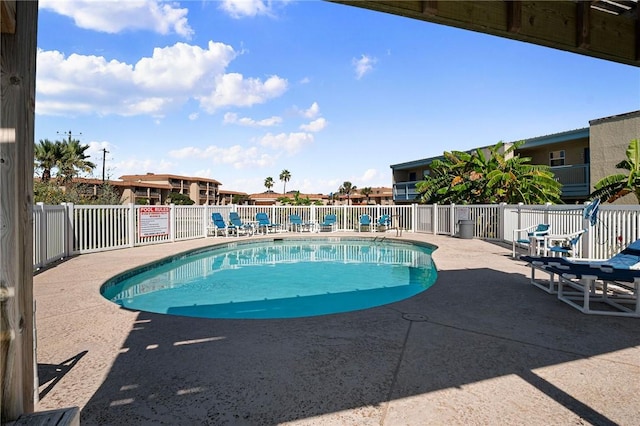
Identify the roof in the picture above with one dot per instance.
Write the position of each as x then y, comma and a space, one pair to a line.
604, 29
569, 135
554, 138
120, 183
615, 117
226, 192
152, 176
275, 195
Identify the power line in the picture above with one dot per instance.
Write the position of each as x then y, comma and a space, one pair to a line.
69, 134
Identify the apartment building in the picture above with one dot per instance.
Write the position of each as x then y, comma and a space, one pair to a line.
578, 158
156, 188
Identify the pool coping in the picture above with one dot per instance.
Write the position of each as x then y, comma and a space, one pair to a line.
116, 280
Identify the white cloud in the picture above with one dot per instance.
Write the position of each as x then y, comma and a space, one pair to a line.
194, 116
135, 167
315, 125
288, 142
234, 90
369, 175
246, 8
117, 16
363, 66
237, 156
182, 67
87, 84
312, 112
232, 118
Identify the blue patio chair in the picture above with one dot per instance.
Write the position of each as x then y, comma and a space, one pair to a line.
618, 277
535, 233
264, 223
364, 222
330, 223
297, 224
219, 225
564, 245
383, 223
239, 225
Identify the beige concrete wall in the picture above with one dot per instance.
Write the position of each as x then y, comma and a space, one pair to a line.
574, 152
609, 139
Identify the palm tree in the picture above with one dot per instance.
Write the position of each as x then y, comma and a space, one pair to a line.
366, 192
474, 178
74, 160
268, 183
347, 189
616, 186
47, 155
285, 177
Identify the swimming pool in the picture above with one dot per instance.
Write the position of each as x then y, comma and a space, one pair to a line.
279, 278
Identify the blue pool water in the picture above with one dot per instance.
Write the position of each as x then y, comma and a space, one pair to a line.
277, 279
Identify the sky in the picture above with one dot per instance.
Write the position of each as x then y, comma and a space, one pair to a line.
240, 90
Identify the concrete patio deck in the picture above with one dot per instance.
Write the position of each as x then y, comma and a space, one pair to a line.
482, 346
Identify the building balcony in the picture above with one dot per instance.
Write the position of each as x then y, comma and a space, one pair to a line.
143, 193
405, 192
574, 180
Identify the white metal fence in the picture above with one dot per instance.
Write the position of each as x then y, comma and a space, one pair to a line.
67, 229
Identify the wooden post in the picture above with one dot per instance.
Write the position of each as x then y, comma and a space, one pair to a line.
18, 74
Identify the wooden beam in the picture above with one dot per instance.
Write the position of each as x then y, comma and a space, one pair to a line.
430, 7
8, 16
559, 24
583, 25
638, 36
514, 16
17, 85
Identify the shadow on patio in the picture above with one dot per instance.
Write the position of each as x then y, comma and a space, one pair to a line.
473, 325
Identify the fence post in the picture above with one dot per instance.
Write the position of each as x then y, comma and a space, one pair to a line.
452, 219
434, 218
501, 221
172, 223
205, 220
313, 213
414, 219
519, 225
587, 237
69, 229
42, 230
132, 225
345, 212
546, 212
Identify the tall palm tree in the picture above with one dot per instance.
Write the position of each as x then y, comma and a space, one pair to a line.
268, 183
366, 192
74, 160
616, 186
347, 189
47, 156
285, 176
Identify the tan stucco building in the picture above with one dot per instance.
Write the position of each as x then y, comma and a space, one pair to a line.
579, 158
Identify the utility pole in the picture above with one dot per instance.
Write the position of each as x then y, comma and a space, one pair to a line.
104, 153
68, 134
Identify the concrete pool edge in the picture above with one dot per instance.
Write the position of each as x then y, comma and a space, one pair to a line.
163, 286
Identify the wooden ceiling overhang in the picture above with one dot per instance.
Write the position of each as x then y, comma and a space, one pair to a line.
605, 29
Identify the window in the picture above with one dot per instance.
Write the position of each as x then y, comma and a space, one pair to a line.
556, 158
412, 176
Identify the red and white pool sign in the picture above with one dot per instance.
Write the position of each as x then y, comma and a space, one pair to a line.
153, 221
